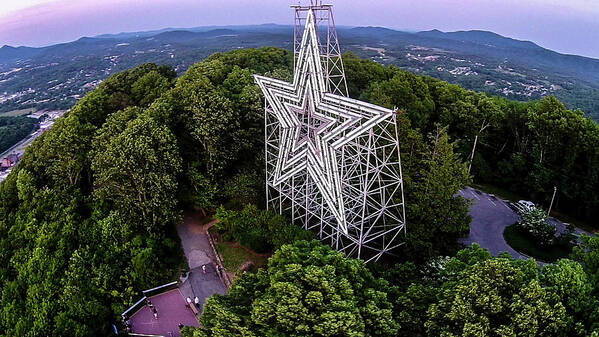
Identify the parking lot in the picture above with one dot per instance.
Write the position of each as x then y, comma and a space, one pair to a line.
490, 216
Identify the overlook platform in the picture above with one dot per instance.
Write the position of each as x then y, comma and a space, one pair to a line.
172, 311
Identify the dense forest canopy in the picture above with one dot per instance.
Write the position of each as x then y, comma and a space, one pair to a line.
525, 147
87, 219
72, 256
310, 290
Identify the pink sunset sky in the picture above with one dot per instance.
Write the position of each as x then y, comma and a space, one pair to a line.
566, 26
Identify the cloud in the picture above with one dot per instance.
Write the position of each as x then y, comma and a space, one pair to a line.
8, 8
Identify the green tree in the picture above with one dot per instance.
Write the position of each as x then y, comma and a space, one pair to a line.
486, 114
149, 87
406, 92
71, 262
212, 122
65, 151
496, 298
587, 253
568, 280
14, 129
536, 312
307, 290
260, 230
437, 217
137, 171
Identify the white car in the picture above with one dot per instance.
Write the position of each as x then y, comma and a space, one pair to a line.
526, 205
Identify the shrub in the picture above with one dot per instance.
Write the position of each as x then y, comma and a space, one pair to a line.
260, 230
255, 239
534, 222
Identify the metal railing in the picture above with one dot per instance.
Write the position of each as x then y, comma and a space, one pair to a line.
148, 293
224, 276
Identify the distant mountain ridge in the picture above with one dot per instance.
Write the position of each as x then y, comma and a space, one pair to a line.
8, 53
480, 36
478, 60
490, 44
138, 34
532, 53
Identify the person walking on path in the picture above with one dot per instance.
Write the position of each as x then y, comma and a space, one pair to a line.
196, 301
204, 269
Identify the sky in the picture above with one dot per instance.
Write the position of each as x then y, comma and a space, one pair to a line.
567, 26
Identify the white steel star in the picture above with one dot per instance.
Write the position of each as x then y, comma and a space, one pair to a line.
315, 123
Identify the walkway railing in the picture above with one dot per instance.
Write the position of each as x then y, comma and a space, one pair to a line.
160, 289
125, 315
147, 293
224, 276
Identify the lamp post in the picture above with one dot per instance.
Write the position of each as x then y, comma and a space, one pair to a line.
553, 197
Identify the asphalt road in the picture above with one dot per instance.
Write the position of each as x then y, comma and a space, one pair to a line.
199, 253
490, 216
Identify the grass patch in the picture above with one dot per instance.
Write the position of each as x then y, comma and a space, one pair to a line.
16, 113
234, 256
522, 242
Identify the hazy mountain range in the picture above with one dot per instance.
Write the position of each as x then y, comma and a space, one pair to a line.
56, 76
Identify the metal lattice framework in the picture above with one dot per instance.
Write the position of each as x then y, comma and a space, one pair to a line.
328, 43
332, 162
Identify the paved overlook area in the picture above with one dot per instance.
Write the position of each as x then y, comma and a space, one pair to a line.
171, 305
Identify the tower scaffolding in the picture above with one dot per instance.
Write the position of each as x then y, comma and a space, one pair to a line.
332, 162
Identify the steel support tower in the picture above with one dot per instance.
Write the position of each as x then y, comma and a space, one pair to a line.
332, 163
328, 43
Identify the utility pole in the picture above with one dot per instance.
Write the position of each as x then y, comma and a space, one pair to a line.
484, 125
472, 155
553, 197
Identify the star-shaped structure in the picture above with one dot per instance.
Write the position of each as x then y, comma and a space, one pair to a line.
311, 124
315, 123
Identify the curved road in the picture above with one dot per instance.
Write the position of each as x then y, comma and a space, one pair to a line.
490, 216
